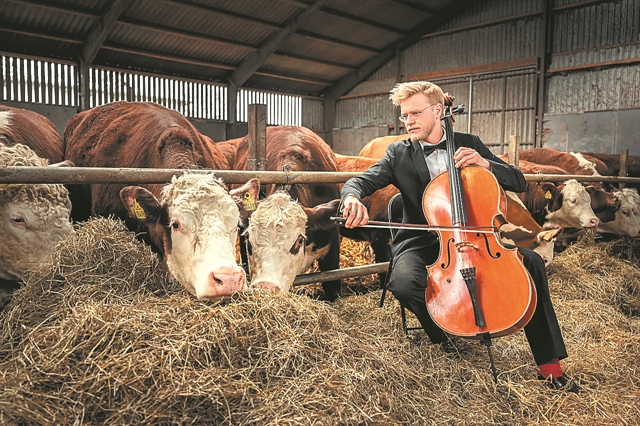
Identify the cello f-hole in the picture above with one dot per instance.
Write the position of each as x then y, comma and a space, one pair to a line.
486, 242
442, 265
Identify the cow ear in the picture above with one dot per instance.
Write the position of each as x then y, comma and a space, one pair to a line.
319, 217
549, 234
246, 197
553, 194
142, 204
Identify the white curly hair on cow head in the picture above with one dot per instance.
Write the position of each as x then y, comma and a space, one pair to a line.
203, 222
626, 218
276, 242
33, 217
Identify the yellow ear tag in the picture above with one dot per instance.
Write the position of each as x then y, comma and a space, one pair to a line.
248, 202
548, 195
548, 236
137, 208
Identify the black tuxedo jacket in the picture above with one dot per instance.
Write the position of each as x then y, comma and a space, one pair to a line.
405, 167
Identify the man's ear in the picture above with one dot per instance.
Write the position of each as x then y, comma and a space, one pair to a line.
142, 205
319, 217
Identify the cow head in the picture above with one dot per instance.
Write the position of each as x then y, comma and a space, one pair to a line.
196, 223
277, 246
625, 221
569, 206
33, 218
604, 204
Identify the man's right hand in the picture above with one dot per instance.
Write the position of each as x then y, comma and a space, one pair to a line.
355, 212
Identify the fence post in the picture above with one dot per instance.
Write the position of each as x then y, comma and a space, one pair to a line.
257, 137
514, 145
624, 166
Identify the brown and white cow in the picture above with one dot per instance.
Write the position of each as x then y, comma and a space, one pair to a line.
278, 244
33, 130
299, 149
196, 220
147, 135
523, 231
612, 163
567, 205
33, 219
572, 163
625, 221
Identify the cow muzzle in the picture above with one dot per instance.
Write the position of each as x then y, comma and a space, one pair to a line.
266, 285
222, 282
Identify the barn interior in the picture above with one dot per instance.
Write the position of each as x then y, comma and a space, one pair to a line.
101, 335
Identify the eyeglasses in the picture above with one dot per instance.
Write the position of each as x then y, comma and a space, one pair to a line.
415, 114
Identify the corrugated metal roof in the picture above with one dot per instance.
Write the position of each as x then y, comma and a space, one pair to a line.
306, 46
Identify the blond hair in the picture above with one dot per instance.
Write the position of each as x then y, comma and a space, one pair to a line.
403, 91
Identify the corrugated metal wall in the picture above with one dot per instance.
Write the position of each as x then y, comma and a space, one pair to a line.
594, 67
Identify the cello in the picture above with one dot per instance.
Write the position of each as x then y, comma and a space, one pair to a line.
477, 288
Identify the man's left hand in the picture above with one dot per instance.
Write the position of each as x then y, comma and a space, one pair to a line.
469, 157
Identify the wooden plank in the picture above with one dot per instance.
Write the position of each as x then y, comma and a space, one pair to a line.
257, 137
514, 145
475, 69
29, 72
624, 165
606, 64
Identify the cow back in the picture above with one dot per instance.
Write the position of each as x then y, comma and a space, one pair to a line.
302, 150
29, 128
136, 135
377, 148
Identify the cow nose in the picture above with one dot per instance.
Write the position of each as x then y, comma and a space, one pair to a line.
266, 285
228, 278
594, 222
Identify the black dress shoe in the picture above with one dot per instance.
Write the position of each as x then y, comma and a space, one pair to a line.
561, 383
448, 347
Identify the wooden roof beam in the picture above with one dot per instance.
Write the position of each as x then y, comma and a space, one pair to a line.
101, 28
352, 79
255, 59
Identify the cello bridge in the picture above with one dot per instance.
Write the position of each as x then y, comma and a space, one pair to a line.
465, 246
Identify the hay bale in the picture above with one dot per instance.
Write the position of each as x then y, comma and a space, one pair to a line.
131, 353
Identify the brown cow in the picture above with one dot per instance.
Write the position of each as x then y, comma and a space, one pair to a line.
298, 148
192, 221
377, 206
229, 149
377, 148
33, 130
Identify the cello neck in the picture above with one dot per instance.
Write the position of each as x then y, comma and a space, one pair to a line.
458, 212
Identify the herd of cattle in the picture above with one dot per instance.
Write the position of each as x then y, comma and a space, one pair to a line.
193, 221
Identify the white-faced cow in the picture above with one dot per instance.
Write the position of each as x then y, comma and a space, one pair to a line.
523, 231
147, 135
33, 219
567, 205
196, 221
625, 221
279, 246
299, 149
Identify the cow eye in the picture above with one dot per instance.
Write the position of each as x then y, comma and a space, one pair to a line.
18, 221
572, 200
175, 225
295, 248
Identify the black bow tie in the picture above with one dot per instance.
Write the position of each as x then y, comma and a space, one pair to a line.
428, 149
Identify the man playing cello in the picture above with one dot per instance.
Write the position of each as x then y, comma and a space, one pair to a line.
410, 165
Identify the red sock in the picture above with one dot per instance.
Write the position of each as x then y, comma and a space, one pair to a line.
551, 368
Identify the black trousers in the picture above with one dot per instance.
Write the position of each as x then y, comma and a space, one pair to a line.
408, 282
